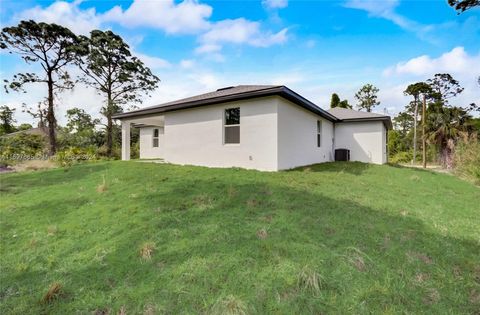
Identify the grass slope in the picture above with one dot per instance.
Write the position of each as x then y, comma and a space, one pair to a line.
331, 238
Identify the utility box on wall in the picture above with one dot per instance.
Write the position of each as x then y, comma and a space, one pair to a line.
342, 155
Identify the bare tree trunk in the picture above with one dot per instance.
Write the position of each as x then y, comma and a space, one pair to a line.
415, 132
109, 126
51, 117
424, 140
449, 154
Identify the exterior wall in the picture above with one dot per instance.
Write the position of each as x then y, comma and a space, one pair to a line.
147, 151
297, 136
275, 134
365, 140
195, 136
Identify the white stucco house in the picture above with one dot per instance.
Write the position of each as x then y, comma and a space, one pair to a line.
261, 127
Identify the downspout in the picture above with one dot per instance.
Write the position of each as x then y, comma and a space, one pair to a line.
386, 144
332, 155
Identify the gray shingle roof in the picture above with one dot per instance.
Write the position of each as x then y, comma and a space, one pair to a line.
346, 114
228, 94
231, 90
243, 92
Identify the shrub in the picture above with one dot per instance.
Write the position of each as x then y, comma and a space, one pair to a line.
74, 155
467, 159
102, 152
135, 150
401, 157
21, 147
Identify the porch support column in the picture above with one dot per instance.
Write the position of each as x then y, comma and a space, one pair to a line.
125, 140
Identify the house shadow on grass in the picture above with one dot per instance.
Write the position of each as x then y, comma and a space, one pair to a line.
354, 168
415, 169
207, 246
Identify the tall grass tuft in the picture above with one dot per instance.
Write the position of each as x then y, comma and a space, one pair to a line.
53, 292
103, 186
309, 280
229, 305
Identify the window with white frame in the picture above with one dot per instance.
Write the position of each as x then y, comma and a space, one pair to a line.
155, 141
231, 126
319, 133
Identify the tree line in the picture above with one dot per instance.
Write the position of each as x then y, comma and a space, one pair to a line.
429, 121
442, 121
103, 58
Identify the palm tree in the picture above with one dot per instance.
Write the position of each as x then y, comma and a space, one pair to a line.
445, 125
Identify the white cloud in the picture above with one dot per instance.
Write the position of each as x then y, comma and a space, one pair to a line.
463, 66
64, 13
187, 63
187, 17
455, 61
373, 7
151, 61
207, 48
386, 9
275, 4
238, 31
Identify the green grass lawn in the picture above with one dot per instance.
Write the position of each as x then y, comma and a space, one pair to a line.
336, 238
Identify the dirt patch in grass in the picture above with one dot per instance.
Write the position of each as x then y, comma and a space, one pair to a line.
476, 274
203, 201
268, 218
432, 296
103, 311
146, 250
252, 203
52, 230
420, 278
420, 256
122, 311
262, 234
474, 297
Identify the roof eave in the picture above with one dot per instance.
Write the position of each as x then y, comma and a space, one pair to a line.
300, 100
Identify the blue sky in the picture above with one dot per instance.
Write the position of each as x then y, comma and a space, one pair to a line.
313, 47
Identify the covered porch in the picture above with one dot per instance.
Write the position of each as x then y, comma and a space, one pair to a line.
143, 122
